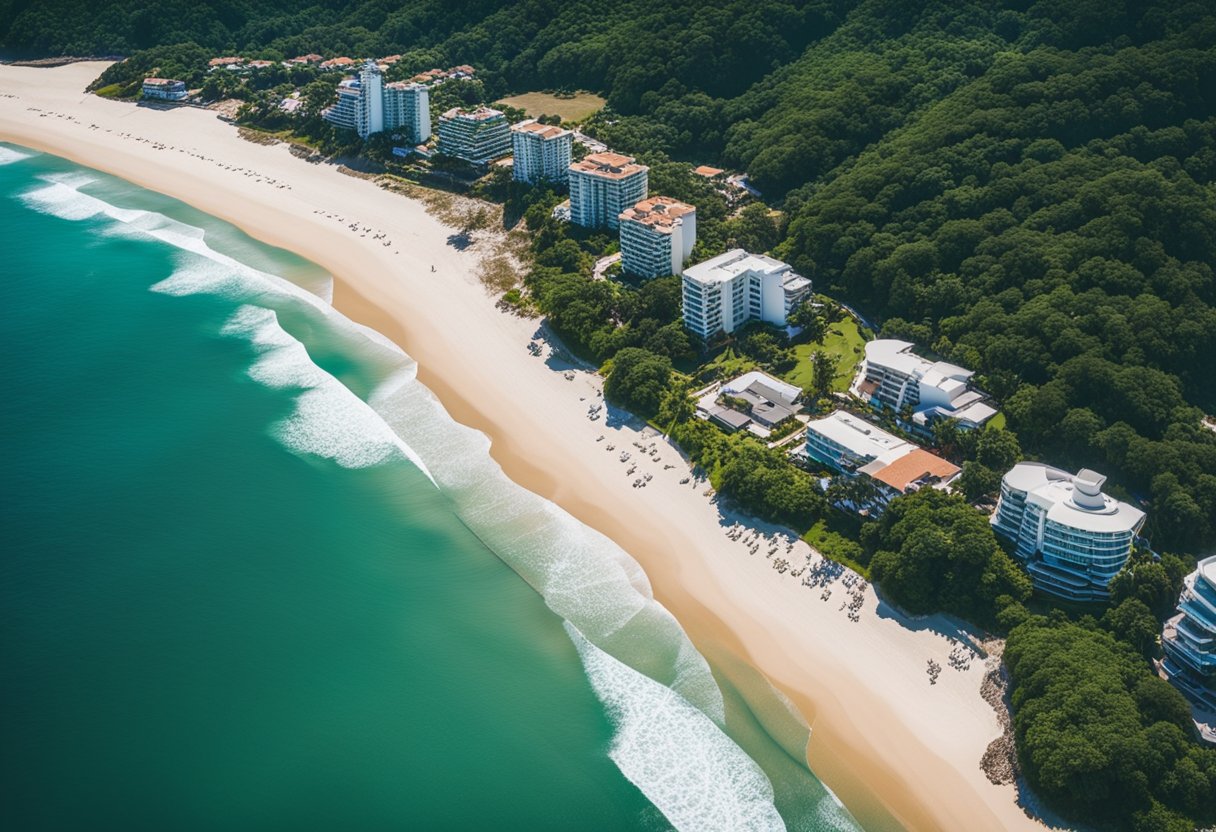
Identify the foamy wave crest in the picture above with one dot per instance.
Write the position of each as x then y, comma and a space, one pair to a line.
329, 420
8, 155
696, 776
583, 576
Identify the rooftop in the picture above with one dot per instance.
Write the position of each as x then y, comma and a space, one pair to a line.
859, 437
732, 263
707, 171
159, 82
1075, 501
915, 465
545, 131
608, 165
897, 355
404, 85
764, 385
662, 213
1207, 569
343, 61
479, 114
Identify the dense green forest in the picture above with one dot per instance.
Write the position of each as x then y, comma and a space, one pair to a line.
1025, 188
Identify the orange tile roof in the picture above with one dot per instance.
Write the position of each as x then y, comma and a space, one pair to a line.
343, 61
225, 61
913, 466
389, 59
707, 171
545, 131
310, 58
608, 165
659, 212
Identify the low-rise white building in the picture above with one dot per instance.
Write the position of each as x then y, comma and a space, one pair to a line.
165, 89
893, 376
1073, 538
657, 236
603, 185
761, 403
854, 446
725, 292
476, 136
541, 152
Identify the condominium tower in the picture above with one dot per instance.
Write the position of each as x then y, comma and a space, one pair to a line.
1190, 645
657, 236
408, 106
477, 136
541, 152
602, 186
725, 292
366, 105
1072, 537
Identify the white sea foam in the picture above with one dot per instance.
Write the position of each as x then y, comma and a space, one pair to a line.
329, 420
8, 155
667, 708
684, 764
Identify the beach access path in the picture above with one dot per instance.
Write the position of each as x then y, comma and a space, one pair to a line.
891, 745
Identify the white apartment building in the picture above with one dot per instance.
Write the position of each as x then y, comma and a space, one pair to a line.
893, 376
657, 236
477, 136
1189, 639
602, 186
727, 291
541, 152
1072, 537
408, 106
165, 89
367, 105
852, 445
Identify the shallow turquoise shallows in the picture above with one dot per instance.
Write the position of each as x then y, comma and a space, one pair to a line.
254, 578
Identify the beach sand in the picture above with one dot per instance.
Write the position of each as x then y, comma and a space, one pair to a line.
892, 746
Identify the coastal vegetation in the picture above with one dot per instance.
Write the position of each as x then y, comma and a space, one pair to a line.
1025, 189
571, 107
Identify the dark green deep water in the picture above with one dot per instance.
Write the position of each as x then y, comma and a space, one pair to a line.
223, 607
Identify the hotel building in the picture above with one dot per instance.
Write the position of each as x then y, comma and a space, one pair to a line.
541, 152
852, 445
367, 105
602, 186
1072, 537
657, 236
408, 106
477, 136
1190, 645
725, 292
165, 89
892, 376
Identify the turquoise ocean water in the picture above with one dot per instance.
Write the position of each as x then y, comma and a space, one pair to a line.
254, 578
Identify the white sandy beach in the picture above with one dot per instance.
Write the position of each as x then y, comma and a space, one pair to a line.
883, 738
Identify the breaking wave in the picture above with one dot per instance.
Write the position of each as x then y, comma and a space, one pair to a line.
667, 710
8, 155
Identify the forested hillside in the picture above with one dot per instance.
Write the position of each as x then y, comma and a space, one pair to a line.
1024, 187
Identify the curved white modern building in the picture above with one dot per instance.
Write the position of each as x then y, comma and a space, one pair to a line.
1072, 537
1190, 645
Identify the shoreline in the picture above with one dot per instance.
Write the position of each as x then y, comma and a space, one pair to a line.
880, 735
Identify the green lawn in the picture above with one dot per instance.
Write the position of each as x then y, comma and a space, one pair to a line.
535, 104
844, 342
730, 364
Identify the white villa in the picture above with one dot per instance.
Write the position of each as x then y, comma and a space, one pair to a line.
165, 89
657, 236
852, 445
1190, 646
725, 292
541, 152
1073, 538
477, 136
602, 186
367, 105
893, 376
769, 402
